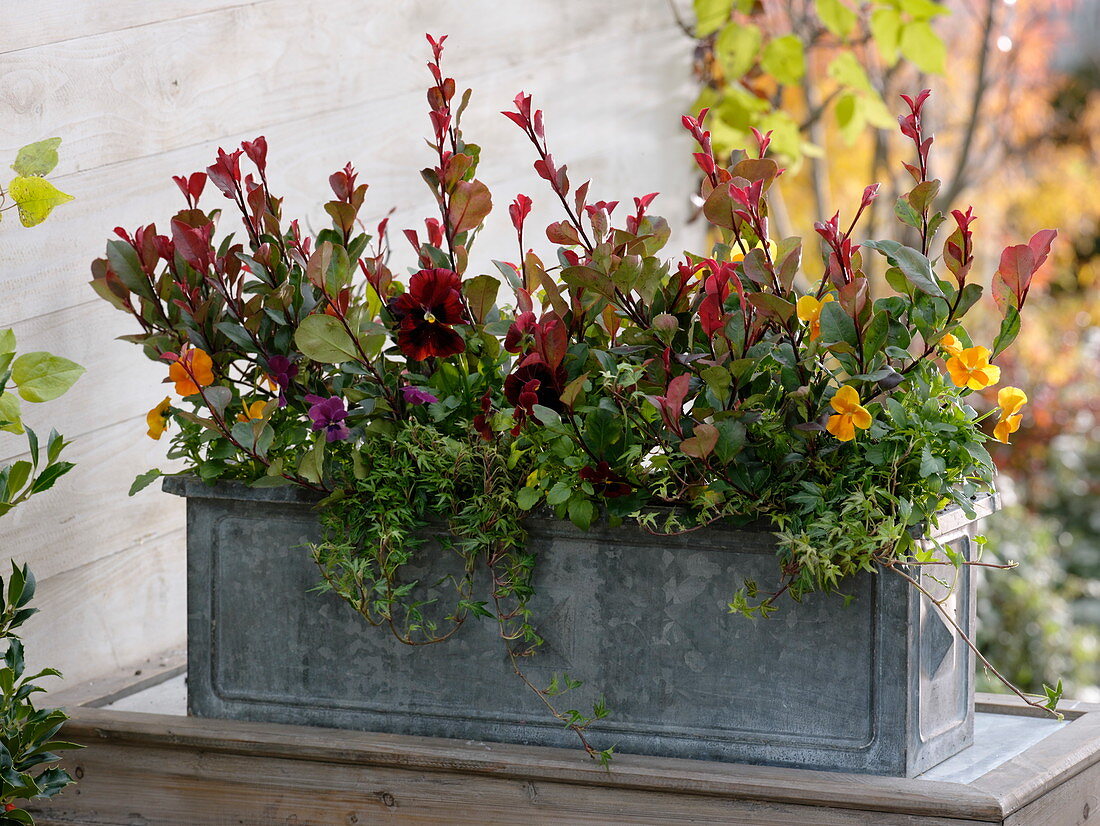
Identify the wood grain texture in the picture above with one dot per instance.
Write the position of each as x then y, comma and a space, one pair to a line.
1073, 803
110, 614
631, 773
1047, 765
88, 515
31, 23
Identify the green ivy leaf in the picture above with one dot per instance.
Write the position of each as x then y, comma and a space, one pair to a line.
36, 198
921, 45
323, 338
36, 159
42, 377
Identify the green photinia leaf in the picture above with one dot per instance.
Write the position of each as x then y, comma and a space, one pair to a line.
921, 45
42, 377
836, 16
322, 338
36, 198
916, 267
736, 48
36, 159
784, 59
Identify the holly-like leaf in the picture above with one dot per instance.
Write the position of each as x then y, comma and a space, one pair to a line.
42, 377
36, 198
37, 159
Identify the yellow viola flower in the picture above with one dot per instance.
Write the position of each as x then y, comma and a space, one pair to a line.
1011, 400
951, 345
850, 414
971, 368
252, 411
1006, 427
157, 419
809, 310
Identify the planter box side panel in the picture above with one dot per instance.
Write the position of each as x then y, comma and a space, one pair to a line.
641, 621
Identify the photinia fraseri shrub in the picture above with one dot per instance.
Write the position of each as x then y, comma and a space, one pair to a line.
599, 378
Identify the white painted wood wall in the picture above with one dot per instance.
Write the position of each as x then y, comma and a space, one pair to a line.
143, 89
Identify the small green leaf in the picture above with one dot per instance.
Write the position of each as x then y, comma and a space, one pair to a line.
528, 497
42, 377
36, 198
736, 48
784, 59
886, 32
10, 416
711, 15
836, 16
36, 159
481, 293
921, 45
144, 480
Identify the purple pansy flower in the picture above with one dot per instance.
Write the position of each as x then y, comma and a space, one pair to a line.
414, 395
328, 415
282, 371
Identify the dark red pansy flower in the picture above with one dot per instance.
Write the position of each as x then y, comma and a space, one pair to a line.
426, 313
606, 481
521, 333
550, 382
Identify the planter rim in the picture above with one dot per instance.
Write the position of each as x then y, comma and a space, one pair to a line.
191, 487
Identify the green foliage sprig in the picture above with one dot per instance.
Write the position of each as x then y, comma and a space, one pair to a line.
29, 192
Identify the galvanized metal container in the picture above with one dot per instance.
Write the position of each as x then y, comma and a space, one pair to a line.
881, 685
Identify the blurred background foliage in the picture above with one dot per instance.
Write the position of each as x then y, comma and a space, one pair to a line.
1016, 114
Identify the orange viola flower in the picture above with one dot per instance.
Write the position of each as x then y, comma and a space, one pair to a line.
951, 345
850, 414
1011, 401
809, 310
252, 411
971, 368
157, 419
192, 370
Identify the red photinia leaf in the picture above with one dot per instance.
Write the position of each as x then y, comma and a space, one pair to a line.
552, 339
257, 152
470, 203
518, 211
1018, 266
193, 244
701, 444
562, 232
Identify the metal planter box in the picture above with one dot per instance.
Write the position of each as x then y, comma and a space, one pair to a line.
881, 685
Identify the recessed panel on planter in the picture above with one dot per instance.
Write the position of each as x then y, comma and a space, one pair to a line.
875, 686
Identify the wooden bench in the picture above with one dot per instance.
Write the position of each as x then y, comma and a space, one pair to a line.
155, 769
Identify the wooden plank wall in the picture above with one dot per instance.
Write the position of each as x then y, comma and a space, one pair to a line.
141, 91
